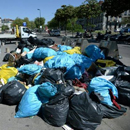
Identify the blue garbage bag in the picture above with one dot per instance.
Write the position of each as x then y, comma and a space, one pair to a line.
81, 63
25, 49
94, 52
41, 53
61, 53
29, 55
46, 91
64, 47
60, 61
74, 72
11, 79
81, 60
102, 87
30, 69
37, 79
29, 104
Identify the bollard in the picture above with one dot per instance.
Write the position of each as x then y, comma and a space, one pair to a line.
16, 43
3, 43
7, 50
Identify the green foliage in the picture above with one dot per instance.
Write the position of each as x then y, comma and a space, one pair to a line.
39, 22
90, 8
53, 24
27, 22
4, 27
125, 20
115, 7
18, 22
91, 25
69, 26
32, 25
64, 13
72, 26
100, 31
78, 28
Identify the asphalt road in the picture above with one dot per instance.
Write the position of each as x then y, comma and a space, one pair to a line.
8, 122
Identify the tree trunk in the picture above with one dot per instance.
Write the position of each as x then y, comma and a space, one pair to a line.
65, 27
107, 23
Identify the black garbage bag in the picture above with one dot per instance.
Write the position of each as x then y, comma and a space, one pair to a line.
25, 43
109, 70
23, 60
29, 79
1, 91
33, 40
1, 95
108, 111
84, 114
112, 111
127, 69
52, 75
55, 112
21, 46
65, 89
13, 93
123, 85
6, 57
122, 70
47, 41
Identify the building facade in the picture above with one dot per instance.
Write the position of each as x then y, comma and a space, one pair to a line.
100, 22
7, 22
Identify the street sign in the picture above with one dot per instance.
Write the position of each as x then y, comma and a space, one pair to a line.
24, 24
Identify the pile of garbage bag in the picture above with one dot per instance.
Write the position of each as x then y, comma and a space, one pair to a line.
63, 86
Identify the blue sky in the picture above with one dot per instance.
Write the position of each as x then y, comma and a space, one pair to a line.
28, 8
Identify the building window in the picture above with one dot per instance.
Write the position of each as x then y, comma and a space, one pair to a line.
125, 13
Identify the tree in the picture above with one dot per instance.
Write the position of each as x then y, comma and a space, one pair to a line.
89, 9
27, 22
115, 7
32, 25
4, 27
18, 22
73, 26
64, 13
78, 28
53, 23
39, 22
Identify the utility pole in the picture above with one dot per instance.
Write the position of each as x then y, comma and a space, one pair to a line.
39, 19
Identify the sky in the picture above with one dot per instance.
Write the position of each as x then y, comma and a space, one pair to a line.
28, 8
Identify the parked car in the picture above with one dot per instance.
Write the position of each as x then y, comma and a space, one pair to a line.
55, 33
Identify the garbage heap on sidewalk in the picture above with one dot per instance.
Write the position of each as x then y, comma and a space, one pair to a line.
62, 85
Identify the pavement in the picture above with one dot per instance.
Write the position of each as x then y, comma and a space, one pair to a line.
8, 122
